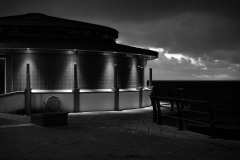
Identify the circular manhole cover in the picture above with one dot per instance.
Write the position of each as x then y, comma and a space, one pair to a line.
52, 104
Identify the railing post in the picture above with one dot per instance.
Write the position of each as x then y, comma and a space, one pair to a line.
28, 90
76, 93
212, 121
116, 89
180, 116
154, 105
159, 112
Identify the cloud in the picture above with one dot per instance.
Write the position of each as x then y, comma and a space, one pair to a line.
202, 31
193, 35
180, 67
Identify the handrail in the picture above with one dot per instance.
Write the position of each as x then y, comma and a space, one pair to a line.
11, 93
157, 113
187, 110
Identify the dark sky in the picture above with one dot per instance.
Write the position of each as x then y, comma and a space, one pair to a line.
198, 39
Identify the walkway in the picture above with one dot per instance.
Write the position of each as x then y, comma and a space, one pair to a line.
108, 135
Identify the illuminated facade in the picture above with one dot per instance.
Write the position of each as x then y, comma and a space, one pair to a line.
51, 47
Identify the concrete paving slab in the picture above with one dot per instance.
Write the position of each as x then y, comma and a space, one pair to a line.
111, 135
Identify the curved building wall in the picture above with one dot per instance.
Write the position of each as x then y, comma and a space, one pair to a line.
51, 47
95, 71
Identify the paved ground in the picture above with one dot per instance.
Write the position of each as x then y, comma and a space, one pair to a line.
108, 135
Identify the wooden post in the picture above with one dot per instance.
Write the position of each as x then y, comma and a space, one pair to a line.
159, 112
76, 94
212, 121
154, 105
28, 91
180, 116
116, 89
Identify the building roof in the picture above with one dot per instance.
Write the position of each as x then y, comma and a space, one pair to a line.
40, 31
39, 19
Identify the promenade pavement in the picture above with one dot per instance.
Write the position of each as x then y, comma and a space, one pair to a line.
126, 134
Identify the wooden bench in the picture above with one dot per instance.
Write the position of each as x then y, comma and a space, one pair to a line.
167, 94
50, 119
176, 95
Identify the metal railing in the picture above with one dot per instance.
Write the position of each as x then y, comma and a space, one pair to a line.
181, 110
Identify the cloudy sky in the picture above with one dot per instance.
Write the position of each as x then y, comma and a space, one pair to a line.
196, 39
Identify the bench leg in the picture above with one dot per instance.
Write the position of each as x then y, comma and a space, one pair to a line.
180, 116
154, 114
159, 113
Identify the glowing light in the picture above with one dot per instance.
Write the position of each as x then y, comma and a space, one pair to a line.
128, 89
28, 50
70, 52
95, 90
54, 91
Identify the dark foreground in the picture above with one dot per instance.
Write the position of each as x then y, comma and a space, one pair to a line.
108, 135
224, 98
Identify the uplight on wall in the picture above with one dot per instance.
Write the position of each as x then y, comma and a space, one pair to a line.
28, 50
70, 51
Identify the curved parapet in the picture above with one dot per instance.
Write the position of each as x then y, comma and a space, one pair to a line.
12, 102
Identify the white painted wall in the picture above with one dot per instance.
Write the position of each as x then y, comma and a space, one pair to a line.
96, 101
66, 101
146, 102
12, 103
89, 101
128, 100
